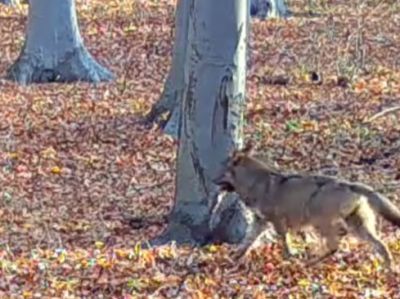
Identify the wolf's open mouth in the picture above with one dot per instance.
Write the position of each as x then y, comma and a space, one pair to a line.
225, 186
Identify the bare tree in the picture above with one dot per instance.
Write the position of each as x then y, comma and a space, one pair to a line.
54, 49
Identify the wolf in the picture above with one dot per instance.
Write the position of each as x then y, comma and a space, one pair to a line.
294, 202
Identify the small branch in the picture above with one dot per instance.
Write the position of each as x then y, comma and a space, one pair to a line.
383, 112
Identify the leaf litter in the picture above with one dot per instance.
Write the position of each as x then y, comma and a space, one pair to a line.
74, 162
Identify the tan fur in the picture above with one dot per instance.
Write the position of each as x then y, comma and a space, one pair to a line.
295, 201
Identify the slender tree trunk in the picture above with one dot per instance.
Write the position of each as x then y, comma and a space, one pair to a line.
9, 2
54, 49
171, 97
211, 122
278, 9
269, 9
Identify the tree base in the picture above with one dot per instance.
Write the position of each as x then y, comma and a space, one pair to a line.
171, 127
170, 124
77, 65
165, 113
229, 223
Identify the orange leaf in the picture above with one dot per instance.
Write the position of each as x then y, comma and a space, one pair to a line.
56, 170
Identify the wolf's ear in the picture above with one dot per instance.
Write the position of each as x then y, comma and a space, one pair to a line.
233, 152
248, 148
236, 155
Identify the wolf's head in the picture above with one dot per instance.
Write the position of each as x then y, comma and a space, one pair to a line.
228, 180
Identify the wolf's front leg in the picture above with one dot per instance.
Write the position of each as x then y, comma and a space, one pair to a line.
282, 230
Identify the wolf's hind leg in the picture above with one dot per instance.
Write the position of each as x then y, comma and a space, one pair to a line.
332, 237
363, 224
378, 245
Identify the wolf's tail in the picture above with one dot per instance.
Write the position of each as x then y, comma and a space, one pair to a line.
379, 203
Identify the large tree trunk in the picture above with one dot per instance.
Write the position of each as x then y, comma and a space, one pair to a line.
171, 97
211, 122
53, 49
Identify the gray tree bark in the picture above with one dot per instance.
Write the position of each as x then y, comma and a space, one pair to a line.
171, 97
54, 49
211, 122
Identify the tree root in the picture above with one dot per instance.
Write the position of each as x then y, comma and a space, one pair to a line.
383, 113
77, 65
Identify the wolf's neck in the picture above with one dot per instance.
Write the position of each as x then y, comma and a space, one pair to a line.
259, 175
260, 166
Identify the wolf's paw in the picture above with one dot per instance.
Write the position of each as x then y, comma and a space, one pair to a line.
294, 252
312, 261
311, 253
290, 253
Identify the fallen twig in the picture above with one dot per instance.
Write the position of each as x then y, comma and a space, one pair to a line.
383, 112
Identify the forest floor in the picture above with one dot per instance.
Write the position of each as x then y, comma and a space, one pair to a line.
75, 166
